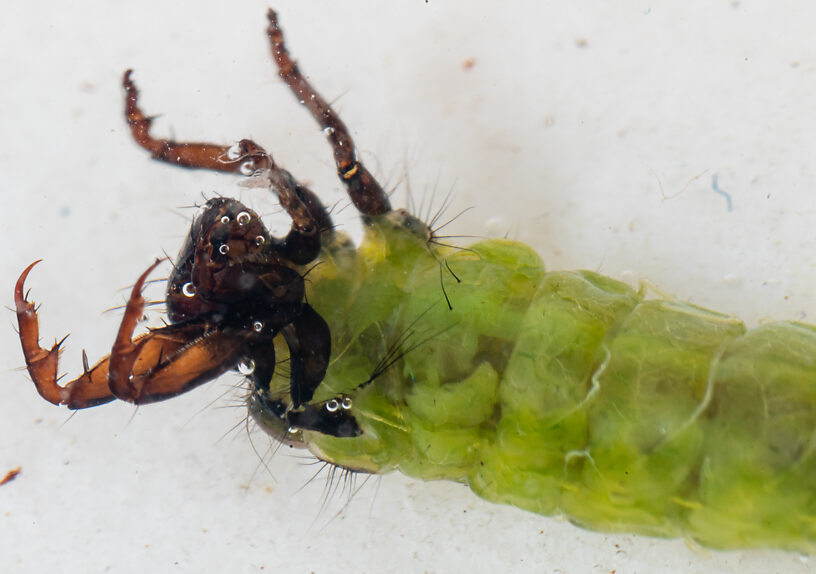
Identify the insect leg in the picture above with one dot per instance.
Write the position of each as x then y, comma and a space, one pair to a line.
154, 366
367, 195
309, 342
309, 217
88, 390
194, 154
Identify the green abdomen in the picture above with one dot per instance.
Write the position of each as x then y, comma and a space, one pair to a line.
567, 392
658, 418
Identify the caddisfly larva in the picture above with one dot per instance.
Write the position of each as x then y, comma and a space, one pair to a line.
558, 392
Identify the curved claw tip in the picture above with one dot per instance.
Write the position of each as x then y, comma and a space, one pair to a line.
137, 287
19, 295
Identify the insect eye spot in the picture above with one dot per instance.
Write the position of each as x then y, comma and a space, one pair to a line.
225, 219
332, 406
224, 249
259, 240
257, 326
243, 218
346, 403
188, 290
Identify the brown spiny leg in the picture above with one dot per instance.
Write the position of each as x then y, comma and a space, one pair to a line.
41, 363
125, 351
310, 219
364, 191
157, 365
197, 154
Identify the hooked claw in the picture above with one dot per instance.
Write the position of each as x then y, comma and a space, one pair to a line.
41, 363
157, 365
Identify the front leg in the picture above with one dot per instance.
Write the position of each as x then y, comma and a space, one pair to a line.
155, 366
365, 192
201, 155
86, 391
310, 220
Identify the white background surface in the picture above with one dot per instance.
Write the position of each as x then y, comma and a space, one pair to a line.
576, 122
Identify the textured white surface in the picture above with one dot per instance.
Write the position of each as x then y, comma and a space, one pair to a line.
574, 125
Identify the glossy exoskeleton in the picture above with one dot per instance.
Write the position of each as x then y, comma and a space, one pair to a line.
233, 287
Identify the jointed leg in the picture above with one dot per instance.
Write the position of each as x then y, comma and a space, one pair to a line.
155, 366
366, 194
309, 217
91, 388
203, 155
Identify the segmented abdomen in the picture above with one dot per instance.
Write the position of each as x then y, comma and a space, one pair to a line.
657, 417
567, 392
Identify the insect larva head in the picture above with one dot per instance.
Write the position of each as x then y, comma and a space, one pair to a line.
183, 298
224, 234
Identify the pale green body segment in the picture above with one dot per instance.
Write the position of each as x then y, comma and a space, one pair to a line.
568, 392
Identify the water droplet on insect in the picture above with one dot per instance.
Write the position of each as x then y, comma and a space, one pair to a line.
332, 405
246, 366
259, 240
346, 403
247, 168
188, 290
224, 249
235, 151
225, 219
257, 326
328, 130
243, 218
292, 430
